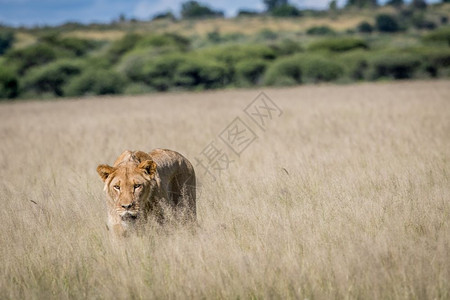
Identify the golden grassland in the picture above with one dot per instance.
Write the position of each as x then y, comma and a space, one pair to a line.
346, 195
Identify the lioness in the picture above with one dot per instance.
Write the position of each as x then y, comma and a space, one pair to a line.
140, 184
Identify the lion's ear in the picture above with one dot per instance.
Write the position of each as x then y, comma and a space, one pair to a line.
149, 167
104, 171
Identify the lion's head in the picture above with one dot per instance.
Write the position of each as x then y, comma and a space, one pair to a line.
128, 186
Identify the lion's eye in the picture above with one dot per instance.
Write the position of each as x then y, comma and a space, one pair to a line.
117, 187
136, 186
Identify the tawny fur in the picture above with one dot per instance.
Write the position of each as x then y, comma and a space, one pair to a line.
142, 184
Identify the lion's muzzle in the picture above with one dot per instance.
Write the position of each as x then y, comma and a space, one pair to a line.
129, 216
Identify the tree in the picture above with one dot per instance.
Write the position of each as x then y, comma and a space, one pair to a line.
365, 27
387, 23
419, 4
51, 77
6, 40
285, 11
272, 4
333, 5
35, 55
247, 13
194, 9
168, 15
361, 3
395, 3
9, 84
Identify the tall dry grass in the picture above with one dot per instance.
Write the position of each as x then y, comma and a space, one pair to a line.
362, 212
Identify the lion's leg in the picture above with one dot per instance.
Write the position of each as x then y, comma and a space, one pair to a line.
184, 185
118, 230
190, 191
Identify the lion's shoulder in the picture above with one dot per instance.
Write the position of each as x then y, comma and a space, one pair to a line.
165, 155
169, 159
168, 162
132, 156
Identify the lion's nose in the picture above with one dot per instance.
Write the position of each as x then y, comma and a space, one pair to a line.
127, 206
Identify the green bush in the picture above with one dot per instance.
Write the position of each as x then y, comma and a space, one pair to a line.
214, 36
159, 73
9, 84
302, 68
132, 65
247, 13
284, 71
166, 41
232, 54
35, 55
97, 61
394, 65
168, 15
441, 35
194, 9
364, 27
355, 64
51, 77
420, 21
147, 48
320, 30
267, 34
285, 10
395, 3
386, 23
179, 71
176, 70
46, 50
419, 4
286, 47
318, 68
136, 88
233, 37
76, 46
199, 73
250, 72
361, 3
95, 82
6, 40
434, 60
338, 44
120, 47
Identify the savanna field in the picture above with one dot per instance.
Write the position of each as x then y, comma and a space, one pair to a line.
345, 195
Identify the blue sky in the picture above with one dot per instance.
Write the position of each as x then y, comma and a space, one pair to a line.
53, 12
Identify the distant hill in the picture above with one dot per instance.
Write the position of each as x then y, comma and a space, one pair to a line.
165, 54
